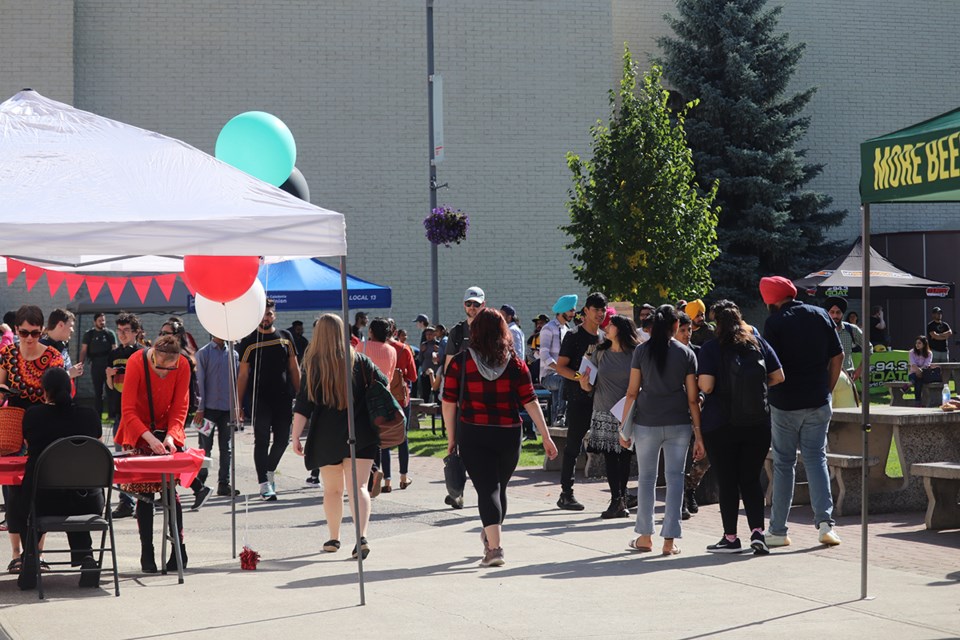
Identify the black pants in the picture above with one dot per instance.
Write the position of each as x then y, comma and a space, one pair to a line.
618, 471
220, 418
98, 375
273, 415
490, 456
145, 522
578, 415
737, 455
65, 503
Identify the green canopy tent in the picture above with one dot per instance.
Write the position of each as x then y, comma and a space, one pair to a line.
920, 163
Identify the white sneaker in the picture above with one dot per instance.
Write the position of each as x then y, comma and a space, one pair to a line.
774, 540
272, 482
267, 493
828, 536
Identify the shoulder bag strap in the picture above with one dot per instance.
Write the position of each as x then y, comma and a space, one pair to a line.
146, 375
463, 383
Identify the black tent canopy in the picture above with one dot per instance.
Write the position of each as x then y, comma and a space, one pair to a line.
844, 278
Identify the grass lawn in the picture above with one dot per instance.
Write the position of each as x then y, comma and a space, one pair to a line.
424, 443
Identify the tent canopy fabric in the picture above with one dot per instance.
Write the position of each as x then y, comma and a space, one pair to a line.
306, 284
843, 278
80, 188
920, 163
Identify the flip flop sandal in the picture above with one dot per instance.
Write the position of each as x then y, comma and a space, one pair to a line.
405, 483
331, 546
675, 551
15, 565
386, 489
633, 546
44, 566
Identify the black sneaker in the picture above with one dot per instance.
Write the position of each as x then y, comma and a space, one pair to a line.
631, 501
456, 503
223, 489
90, 576
123, 510
615, 510
725, 546
684, 511
200, 496
311, 479
691, 500
759, 544
568, 502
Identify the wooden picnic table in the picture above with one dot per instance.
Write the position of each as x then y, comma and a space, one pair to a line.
921, 435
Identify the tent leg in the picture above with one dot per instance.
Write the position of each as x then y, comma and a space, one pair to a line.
351, 424
232, 425
865, 405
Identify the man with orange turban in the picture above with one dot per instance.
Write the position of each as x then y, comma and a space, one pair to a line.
703, 331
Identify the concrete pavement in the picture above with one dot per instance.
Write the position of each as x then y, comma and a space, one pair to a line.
568, 575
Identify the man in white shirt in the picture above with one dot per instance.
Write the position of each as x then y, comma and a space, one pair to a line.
519, 340
551, 336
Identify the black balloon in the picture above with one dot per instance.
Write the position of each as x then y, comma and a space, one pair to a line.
296, 185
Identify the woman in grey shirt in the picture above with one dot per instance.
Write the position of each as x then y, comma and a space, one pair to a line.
663, 386
613, 359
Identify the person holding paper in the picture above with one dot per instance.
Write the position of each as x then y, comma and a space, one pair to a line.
579, 344
662, 402
613, 358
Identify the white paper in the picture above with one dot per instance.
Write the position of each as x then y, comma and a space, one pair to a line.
617, 409
206, 427
587, 368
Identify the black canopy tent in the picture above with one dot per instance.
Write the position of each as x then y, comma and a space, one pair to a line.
915, 164
844, 278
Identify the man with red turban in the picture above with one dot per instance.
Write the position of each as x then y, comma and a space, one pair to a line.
806, 341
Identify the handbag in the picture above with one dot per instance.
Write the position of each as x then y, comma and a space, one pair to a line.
384, 412
931, 374
159, 434
454, 473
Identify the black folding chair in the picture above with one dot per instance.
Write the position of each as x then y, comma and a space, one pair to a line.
74, 463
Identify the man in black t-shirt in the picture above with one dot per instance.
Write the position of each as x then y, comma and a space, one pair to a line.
268, 361
98, 342
938, 334
578, 343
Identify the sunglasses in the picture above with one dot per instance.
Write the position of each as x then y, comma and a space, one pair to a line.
165, 333
35, 334
153, 358
471, 303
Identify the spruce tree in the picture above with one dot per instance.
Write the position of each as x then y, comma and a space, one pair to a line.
640, 229
729, 55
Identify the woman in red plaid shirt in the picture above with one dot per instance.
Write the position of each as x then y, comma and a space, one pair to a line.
495, 384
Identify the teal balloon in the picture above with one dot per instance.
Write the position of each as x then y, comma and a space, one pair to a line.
260, 144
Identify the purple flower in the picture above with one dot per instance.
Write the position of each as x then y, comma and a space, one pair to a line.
445, 225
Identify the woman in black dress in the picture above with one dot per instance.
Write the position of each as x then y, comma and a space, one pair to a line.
323, 402
43, 425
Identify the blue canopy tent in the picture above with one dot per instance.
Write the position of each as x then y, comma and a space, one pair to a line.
308, 283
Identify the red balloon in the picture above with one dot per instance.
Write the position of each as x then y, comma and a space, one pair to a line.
221, 278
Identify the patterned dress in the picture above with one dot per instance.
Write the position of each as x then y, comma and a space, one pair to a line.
23, 376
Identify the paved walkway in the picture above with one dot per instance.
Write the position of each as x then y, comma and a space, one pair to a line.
568, 575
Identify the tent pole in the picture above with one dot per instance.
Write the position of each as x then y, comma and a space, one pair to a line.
234, 413
351, 423
865, 404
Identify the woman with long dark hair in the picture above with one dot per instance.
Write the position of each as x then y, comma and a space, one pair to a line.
921, 358
662, 402
322, 401
613, 359
489, 384
58, 417
733, 369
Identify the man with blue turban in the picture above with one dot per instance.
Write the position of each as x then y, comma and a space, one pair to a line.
551, 336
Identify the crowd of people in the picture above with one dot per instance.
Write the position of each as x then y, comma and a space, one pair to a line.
699, 387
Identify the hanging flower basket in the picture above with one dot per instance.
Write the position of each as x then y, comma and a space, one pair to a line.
445, 226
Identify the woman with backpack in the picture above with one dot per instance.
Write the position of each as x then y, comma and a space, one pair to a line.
323, 401
613, 359
664, 402
735, 371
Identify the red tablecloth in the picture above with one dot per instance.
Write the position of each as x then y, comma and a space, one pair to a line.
129, 469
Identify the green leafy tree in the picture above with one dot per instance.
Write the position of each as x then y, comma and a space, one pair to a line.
729, 55
641, 229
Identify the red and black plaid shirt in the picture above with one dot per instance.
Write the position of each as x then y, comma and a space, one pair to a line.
490, 402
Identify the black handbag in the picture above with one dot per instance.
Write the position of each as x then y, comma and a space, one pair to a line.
931, 374
454, 473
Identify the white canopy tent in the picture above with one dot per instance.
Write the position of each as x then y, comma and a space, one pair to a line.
80, 191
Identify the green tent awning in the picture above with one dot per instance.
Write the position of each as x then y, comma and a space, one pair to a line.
918, 164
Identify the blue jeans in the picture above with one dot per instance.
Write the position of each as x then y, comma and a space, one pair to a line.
553, 382
805, 429
648, 441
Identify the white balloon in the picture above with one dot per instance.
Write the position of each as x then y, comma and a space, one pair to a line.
236, 319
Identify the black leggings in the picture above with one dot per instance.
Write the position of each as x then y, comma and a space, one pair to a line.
736, 455
490, 455
145, 522
618, 471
